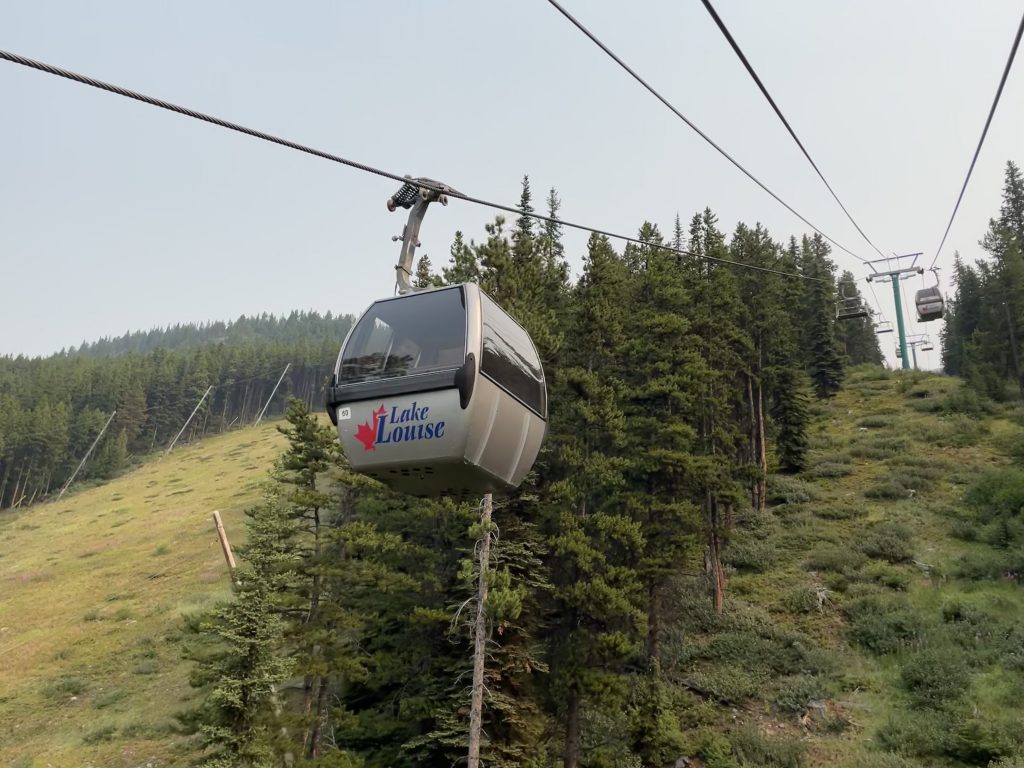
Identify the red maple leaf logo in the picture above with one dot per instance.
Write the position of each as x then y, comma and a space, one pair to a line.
366, 434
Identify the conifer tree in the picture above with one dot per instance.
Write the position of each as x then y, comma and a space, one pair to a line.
824, 364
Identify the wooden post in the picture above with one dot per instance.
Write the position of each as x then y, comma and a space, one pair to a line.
260, 418
225, 545
476, 705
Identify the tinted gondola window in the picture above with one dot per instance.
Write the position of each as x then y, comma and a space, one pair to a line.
417, 333
509, 358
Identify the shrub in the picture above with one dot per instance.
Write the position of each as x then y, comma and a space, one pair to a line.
837, 559
881, 760
840, 511
875, 422
979, 743
961, 431
103, 733
912, 479
65, 686
109, 699
829, 470
795, 693
789, 490
888, 541
887, 490
879, 447
997, 493
966, 401
934, 678
983, 566
883, 625
754, 750
750, 554
845, 560
801, 600
887, 576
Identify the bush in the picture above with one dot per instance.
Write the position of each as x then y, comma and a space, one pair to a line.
883, 625
881, 760
103, 733
887, 576
979, 743
801, 600
890, 542
966, 401
795, 693
919, 480
983, 566
840, 512
750, 554
64, 687
756, 751
829, 470
934, 678
887, 490
875, 422
879, 447
845, 560
789, 490
997, 493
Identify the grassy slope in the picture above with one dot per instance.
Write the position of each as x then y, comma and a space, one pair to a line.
93, 588
91, 593
876, 431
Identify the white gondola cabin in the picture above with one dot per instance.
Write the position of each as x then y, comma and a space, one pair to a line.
440, 393
929, 304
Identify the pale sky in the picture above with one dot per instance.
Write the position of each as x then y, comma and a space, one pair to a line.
117, 216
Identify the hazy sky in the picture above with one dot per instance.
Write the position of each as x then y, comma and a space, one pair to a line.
115, 215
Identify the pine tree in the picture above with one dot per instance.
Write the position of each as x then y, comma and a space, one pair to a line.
824, 364
595, 547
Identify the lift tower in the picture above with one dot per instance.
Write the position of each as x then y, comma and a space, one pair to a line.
894, 276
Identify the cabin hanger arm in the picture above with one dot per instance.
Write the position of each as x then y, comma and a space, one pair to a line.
415, 196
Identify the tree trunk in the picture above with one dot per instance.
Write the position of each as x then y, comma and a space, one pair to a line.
653, 644
571, 756
316, 734
762, 452
476, 705
713, 555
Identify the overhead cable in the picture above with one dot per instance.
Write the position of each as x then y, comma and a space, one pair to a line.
50, 69
984, 132
699, 132
764, 91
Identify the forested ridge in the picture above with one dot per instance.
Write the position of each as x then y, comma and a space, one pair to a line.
51, 409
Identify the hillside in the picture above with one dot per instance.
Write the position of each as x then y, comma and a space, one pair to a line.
93, 590
869, 608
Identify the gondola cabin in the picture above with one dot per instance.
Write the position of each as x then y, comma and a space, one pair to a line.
929, 304
440, 393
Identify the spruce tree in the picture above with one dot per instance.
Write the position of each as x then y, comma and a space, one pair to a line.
824, 364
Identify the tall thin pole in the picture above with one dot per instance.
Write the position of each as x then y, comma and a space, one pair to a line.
194, 410
913, 351
260, 417
895, 278
85, 458
476, 705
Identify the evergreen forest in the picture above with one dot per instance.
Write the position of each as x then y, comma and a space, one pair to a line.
681, 455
